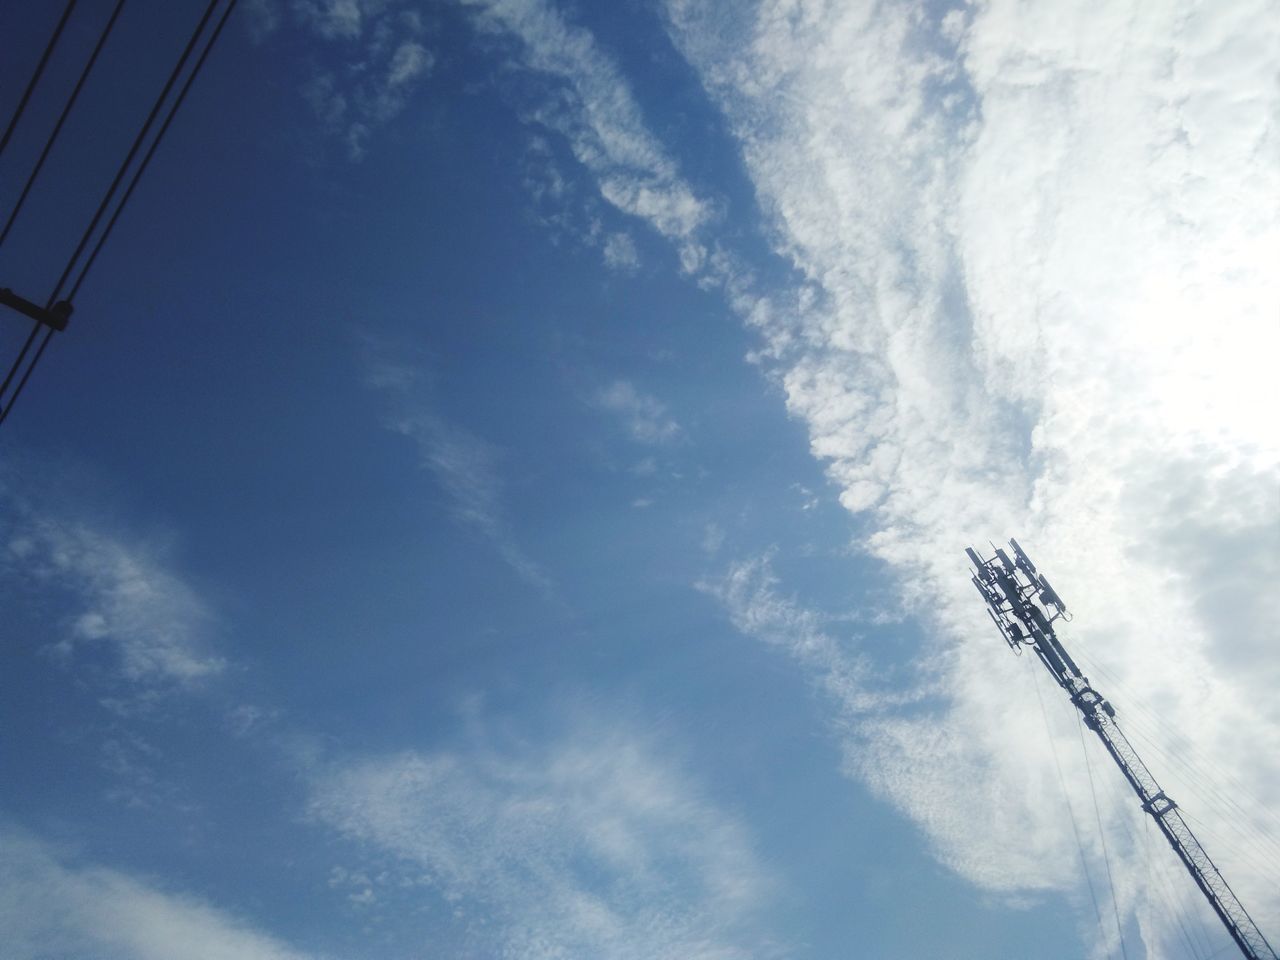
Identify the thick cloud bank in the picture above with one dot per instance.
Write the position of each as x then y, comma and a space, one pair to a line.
1037, 245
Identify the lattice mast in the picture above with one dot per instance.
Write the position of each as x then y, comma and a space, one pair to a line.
1024, 608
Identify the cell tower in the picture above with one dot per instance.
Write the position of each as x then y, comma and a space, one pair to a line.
1024, 607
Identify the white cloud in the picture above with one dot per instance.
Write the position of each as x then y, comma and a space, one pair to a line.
49, 907
600, 120
113, 591
567, 206
262, 17
892, 739
749, 593
247, 717
464, 465
1039, 299
646, 417
373, 59
410, 61
589, 847
713, 537
620, 252
331, 19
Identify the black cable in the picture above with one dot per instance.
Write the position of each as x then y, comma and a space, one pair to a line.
142, 167
35, 77
62, 118
217, 31
133, 150
22, 355
48, 335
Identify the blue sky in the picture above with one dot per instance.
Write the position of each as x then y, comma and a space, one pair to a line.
503, 491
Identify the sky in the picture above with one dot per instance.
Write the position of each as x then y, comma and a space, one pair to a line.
503, 490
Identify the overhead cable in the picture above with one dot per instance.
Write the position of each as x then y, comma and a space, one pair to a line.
142, 167
26, 375
62, 119
17, 364
133, 151
105, 203
35, 76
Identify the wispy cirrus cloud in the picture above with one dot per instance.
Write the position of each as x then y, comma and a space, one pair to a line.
50, 906
620, 253
645, 416
373, 53
464, 465
113, 610
603, 125
113, 592
590, 845
749, 591
882, 721
374, 56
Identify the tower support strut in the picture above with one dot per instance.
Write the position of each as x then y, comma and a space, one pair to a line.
1025, 607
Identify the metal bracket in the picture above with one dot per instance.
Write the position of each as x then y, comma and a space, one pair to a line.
55, 317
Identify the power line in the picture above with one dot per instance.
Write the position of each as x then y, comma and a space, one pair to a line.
142, 167
35, 361
62, 119
133, 150
53, 304
17, 364
35, 76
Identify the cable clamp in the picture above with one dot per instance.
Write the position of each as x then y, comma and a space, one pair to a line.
55, 317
